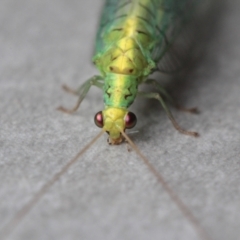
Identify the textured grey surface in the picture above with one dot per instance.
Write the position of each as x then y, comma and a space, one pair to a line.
109, 193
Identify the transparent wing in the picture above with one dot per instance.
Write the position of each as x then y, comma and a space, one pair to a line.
166, 19
173, 38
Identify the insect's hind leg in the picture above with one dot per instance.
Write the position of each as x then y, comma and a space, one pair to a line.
158, 97
153, 82
81, 92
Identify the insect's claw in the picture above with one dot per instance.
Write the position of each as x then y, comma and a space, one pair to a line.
195, 134
65, 110
192, 134
193, 110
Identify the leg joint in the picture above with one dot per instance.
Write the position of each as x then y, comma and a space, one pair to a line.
157, 95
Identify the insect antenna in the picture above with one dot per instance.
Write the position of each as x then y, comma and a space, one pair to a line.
184, 209
13, 223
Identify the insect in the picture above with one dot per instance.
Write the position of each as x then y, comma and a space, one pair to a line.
133, 39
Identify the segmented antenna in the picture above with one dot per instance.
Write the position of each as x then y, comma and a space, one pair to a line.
184, 209
11, 226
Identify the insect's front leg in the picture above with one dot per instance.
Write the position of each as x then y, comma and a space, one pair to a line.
82, 92
154, 83
158, 97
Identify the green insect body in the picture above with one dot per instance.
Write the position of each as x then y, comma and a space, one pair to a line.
134, 35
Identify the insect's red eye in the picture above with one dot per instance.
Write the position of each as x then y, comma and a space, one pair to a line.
98, 119
130, 120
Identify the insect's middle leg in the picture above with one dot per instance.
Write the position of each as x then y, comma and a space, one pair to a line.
154, 83
158, 97
82, 92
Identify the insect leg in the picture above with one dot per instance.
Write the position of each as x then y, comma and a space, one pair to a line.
96, 82
153, 82
81, 92
158, 97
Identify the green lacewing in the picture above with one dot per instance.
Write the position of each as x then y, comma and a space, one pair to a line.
135, 39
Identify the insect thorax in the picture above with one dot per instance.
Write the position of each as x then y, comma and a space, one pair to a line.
125, 57
120, 90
